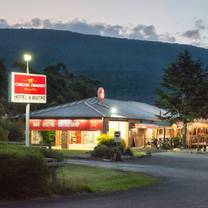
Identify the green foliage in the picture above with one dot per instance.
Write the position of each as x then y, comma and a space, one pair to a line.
11, 130
16, 132
3, 134
176, 142
108, 149
102, 151
23, 172
3, 80
165, 144
82, 178
64, 86
129, 152
184, 95
105, 139
55, 154
68, 153
48, 137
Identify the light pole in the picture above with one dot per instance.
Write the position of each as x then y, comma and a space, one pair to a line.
27, 58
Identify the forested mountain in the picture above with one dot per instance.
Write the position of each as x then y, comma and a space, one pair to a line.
128, 69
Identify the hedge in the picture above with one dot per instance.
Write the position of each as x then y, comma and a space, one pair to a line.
23, 172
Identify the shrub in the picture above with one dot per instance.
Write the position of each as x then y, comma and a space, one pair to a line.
48, 138
3, 134
176, 142
106, 152
108, 149
23, 172
129, 152
165, 144
102, 151
11, 130
15, 132
105, 139
49, 153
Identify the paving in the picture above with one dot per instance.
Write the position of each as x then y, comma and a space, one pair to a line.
184, 184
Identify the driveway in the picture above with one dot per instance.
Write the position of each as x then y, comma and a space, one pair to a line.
184, 184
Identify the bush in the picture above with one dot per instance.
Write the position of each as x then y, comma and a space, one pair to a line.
129, 152
3, 134
176, 142
23, 172
49, 153
48, 138
105, 139
15, 132
102, 151
106, 152
165, 144
11, 130
108, 149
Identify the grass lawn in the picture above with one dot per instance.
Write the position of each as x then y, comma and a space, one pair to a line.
101, 180
74, 153
138, 153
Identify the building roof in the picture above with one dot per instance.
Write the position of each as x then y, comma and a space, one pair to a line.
92, 108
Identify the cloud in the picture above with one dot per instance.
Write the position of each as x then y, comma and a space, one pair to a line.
200, 25
144, 32
140, 31
192, 34
3, 23
36, 22
195, 34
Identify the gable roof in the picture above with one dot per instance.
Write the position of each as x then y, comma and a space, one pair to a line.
92, 108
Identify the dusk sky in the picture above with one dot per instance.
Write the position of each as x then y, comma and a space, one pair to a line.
182, 21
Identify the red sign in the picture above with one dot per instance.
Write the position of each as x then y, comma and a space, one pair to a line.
27, 88
101, 94
65, 124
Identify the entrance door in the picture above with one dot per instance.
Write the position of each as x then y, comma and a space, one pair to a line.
140, 137
137, 137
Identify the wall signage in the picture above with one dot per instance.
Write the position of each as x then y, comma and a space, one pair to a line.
65, 124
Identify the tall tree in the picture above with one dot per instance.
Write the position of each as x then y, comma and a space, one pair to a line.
3, 80
184, 95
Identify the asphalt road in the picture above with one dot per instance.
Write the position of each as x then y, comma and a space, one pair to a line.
184, 184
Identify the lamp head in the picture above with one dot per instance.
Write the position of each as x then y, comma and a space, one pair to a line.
27, 57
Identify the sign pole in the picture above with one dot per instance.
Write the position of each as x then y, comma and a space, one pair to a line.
27, 125
27, 117
27, 88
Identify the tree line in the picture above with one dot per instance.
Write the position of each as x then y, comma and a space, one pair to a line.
62, 86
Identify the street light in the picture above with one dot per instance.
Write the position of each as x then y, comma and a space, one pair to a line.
27, 59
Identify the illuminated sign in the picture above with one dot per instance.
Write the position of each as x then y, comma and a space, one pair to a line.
65, 124
101, 94
27, 88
